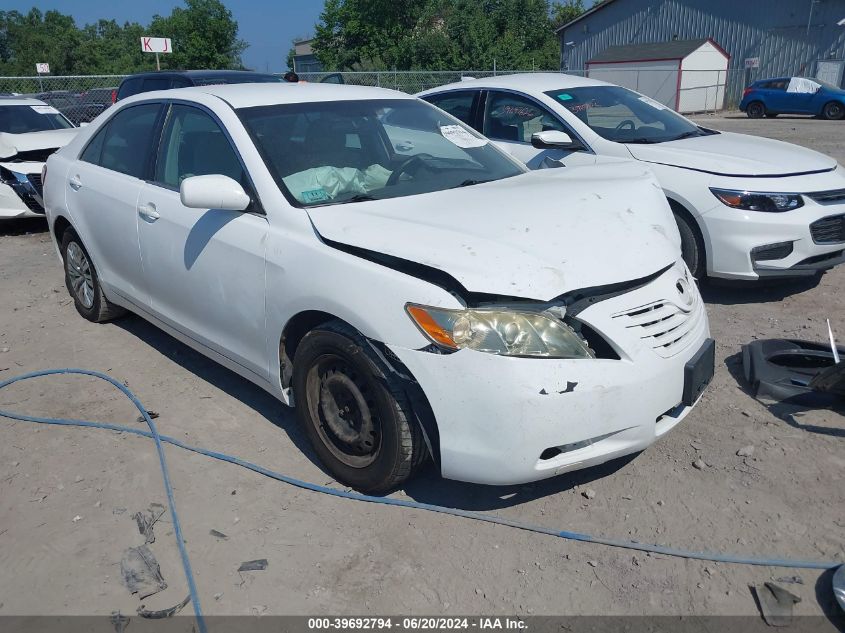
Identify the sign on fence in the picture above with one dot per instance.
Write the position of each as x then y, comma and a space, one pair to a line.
156, 45
752, 62
42, 69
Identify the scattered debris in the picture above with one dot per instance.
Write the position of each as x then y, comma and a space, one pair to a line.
77, 519
118, 621
570, 387
146, 521
589, 493
164, 613
153, 415
592, 563
219, 535
543, 392
141, 573
118, 511
254, 565
746, 451
775, 603
218, 595
792, 580
699, 464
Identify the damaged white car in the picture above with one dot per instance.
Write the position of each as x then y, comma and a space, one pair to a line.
442, 304
30, 130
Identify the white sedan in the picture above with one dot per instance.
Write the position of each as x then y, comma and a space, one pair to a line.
30, 130
445, 304
746, 207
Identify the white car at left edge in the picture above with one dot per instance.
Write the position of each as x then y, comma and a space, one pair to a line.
30, 130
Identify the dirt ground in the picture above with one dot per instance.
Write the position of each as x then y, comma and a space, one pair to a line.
67, 496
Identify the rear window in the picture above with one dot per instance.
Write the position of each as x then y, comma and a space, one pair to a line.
129, 87
20, 119
236, 79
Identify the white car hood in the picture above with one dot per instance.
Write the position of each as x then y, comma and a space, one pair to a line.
732, 154
12, 144
534, 236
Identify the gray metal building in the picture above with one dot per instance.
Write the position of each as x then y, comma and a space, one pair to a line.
773, 37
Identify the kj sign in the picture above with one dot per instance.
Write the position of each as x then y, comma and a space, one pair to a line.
156, 45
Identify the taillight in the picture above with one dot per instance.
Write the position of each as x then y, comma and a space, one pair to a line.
746, 92
114, 96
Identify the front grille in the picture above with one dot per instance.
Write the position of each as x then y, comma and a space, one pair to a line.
32, 204
770, 252
35, 181
829, 230
833, 195
664, 325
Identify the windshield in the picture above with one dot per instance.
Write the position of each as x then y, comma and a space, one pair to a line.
19, 119
348, 151
625, 116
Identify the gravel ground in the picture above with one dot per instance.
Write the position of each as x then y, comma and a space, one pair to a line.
67, 496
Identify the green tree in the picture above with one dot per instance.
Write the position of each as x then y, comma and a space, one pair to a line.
37, 37
566, 11
204, 36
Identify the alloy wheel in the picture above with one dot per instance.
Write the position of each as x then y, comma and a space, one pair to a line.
79, 273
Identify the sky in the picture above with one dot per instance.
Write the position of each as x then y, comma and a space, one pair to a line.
268, 26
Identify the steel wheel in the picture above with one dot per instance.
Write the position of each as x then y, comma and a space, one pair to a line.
833, 111
342, 402
79, 273
755, 110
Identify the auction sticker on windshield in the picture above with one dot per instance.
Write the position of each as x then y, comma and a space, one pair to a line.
461, 137
44, 109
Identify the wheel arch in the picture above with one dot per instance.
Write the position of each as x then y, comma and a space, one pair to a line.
60, 225
305, 321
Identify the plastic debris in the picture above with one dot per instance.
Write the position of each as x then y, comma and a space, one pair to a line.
164, 613
153, 415
146, 521
775, 603
254, 565
219, 535
141, 573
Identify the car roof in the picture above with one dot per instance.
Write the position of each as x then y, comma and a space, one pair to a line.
207, 74
532, 82
17, 100
249, 95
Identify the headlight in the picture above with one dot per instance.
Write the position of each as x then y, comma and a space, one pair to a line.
500, 331
755, 201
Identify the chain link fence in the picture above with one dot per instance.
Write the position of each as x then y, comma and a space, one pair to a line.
83, 97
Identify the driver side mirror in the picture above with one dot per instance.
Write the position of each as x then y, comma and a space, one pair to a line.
555, 139
213, 191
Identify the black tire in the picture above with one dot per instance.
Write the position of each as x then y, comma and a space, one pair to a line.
355, 412
692, 247
833, 111
771, 115
755, 110
82, 282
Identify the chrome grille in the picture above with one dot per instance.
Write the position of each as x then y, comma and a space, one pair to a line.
665, 326
829, 230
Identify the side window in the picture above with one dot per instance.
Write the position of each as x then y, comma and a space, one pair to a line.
156, 83
458, 104
194, 145
511, 117
123, 144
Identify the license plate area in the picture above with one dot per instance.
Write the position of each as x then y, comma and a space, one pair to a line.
699, 371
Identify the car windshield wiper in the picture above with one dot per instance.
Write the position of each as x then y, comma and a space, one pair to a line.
358, 197
689, 134
642, 140
469, 182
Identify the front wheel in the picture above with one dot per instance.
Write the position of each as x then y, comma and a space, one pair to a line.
354, 411
692, 248
833, 111
755, 110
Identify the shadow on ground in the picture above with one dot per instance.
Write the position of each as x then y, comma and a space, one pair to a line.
427, 486
23, 226
827, 601
721, 292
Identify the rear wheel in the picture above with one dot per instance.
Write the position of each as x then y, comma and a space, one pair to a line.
692, 247
82, 282
354, 411
755, 110
833, 111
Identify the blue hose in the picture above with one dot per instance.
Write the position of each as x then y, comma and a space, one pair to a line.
159, 439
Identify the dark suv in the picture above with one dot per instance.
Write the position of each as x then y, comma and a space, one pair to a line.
167, 79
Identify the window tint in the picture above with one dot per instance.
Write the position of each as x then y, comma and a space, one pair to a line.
129, 87
156, 83
458, 104
19, 119
180, 82
510, 117
194, 145
124, 143
775, 84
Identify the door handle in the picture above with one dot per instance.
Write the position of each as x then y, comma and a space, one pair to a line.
148, 212
75, 183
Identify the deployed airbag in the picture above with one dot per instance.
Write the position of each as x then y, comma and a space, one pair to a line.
327, 183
